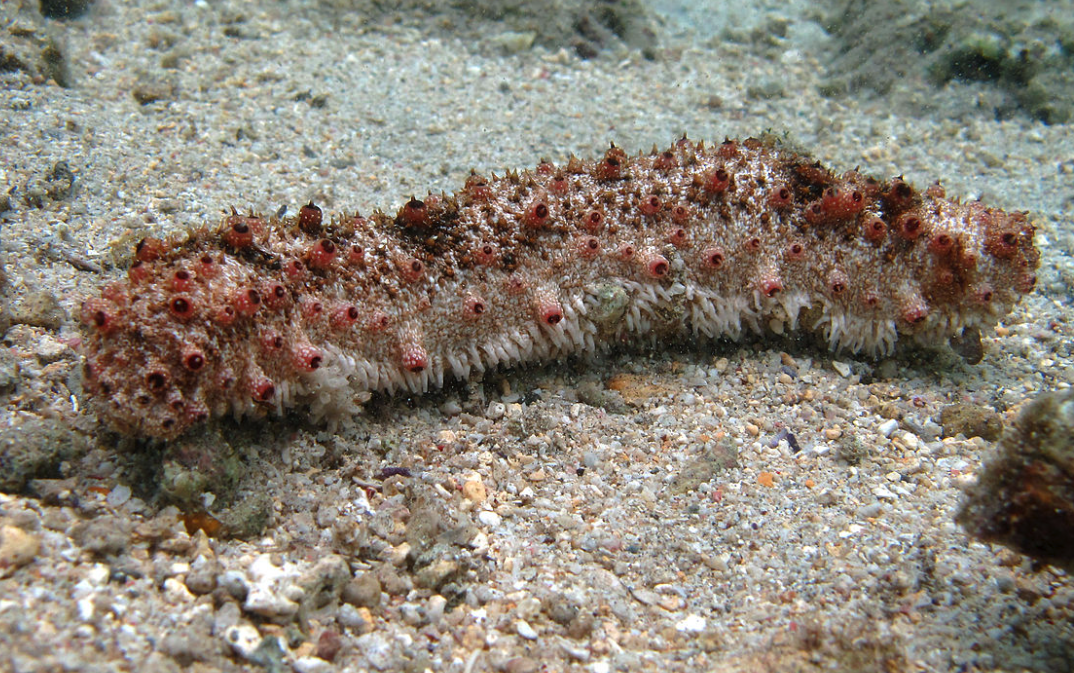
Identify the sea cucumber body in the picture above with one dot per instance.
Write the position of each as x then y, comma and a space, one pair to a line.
261, 314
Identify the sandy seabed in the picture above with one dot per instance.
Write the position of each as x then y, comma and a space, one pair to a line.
758, 506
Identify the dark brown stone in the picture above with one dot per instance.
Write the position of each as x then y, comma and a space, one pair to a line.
1024, 497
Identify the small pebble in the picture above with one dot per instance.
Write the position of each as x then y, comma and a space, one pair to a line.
691, 624
576, 652
377, 649
85, 609
271, 593
514, 42
971, 420
647, 596
1005, 583
201, 579
525, 630
490, 519
870, 511
888, 369
522, 665
175, 592
888, 427
363, 591
17, 548
434, 608
451, 408
474, 490
884, 492
119, 495
48, 350
328, 645
312, 665
98, 574
234, 583
270, 653
359, 619
411, 614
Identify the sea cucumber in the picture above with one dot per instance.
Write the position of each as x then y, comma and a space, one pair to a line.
261, 314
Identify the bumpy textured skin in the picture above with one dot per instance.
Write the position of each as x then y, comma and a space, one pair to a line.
260, 314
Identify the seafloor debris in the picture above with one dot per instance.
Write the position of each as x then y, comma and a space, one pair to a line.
1024, 497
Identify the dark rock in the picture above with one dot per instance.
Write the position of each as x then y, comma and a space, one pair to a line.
363, 591
34, 448
64, 9
234, 584
971, 420
202, 576
703, 468
323, 583
247, 520
104, 536
580, 627
151, 90
28, 45
182, 646
328, 645
40, 309
968, 345
5, 314
1024, 497
437, 573
560, 609
9, 371
850, 449
57, 184
392, 582
59, 181
199, 462
270, 655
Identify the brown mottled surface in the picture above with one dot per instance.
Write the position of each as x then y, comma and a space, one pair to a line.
1025, 495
